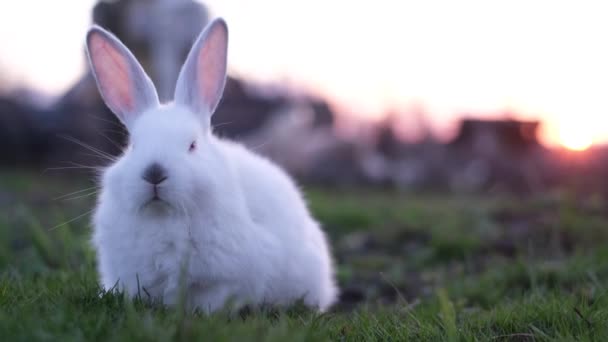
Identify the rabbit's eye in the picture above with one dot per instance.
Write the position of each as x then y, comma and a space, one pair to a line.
192, 146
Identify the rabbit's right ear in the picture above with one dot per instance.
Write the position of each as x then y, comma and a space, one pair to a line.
122, 82
202, 78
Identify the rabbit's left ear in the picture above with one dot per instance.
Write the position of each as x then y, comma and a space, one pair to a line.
201, 81
122, 82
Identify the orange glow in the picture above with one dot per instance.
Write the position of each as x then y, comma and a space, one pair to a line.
576, 140
468, 56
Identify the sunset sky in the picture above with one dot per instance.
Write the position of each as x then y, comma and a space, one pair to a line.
543, 59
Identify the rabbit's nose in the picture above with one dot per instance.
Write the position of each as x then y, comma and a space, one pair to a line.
154, 174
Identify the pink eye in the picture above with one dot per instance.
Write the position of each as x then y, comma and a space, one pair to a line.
192, 146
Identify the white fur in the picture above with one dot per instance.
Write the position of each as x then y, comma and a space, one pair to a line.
231, 226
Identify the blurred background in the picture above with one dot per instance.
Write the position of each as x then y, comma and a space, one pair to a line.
458, 145
473, 96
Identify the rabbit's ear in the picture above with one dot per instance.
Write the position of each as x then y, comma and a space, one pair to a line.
122, 82
201, 81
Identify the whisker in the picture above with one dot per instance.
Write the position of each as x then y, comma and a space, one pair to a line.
223, 124
100, 157
97, 117
254, 148
70, 167
114, 143
72, 220
109, 130
75, 192
88, 147
82, 165
81, 196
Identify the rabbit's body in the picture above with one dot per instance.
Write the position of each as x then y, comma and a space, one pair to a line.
183, 212
260, 246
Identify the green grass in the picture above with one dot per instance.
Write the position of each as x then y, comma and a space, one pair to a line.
412, 267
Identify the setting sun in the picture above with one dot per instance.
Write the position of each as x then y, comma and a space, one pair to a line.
577, 134
576, 140
472, 56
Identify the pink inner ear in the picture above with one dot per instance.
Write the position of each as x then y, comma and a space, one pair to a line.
212, 65
112, 71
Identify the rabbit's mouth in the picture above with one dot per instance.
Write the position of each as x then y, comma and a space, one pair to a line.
155, 198
156, 203
155, 194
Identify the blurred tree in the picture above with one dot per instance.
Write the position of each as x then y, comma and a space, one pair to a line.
159, 33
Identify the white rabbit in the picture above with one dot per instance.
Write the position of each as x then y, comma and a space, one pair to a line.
184, 212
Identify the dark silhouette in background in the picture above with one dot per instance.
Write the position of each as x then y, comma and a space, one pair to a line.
495, 155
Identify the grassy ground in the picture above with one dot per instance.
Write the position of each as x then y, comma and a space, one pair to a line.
423, 267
